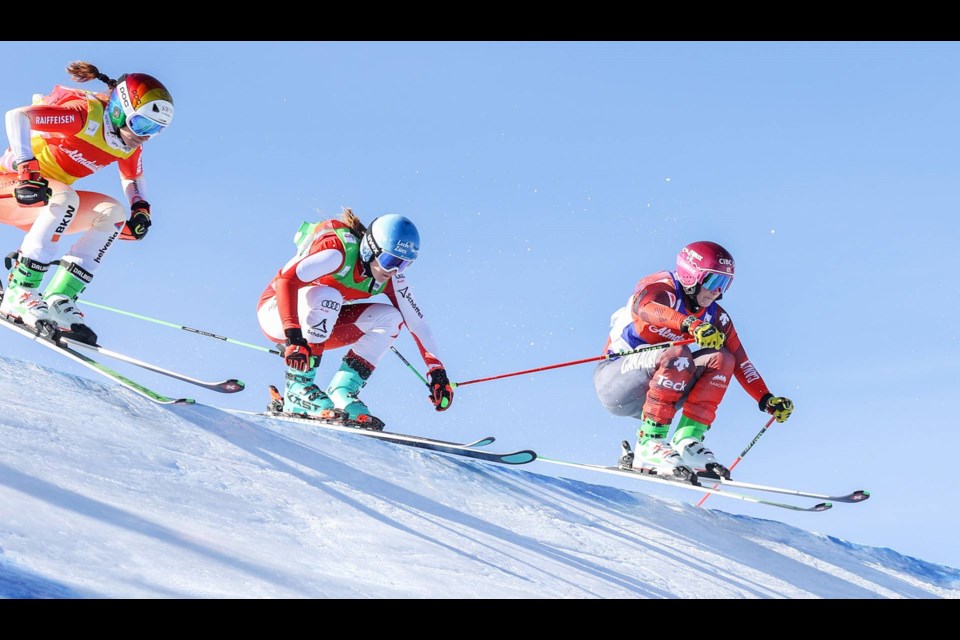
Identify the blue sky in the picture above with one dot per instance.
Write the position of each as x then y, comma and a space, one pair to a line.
546, 178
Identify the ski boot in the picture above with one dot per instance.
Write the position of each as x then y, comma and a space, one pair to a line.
302, 396
21, 303
68, 282
655, 456
343, 389
688, 441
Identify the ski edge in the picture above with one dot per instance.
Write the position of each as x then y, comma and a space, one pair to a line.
819, 507
230, 385
854, 497
94, 365
466, 450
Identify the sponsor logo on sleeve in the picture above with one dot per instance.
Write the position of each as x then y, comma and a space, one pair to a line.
60, 119
749, 371
404, 293
664, 332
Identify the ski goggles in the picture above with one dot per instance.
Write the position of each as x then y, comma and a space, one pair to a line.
143, 126
389, 262
714, 281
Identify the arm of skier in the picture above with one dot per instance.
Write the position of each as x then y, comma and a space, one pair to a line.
751, 381
401, 295
325, 256
31, 188
135, 189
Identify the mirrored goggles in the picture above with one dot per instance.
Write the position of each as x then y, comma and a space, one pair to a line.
713, 281
143, 126
389, 262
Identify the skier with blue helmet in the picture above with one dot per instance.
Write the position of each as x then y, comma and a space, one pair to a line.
317, 301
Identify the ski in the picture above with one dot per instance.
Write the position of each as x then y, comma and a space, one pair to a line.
853, 497
231, 385
467, 450
48, 334
637, 475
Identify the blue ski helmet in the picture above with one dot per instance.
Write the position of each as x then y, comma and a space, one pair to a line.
392, 240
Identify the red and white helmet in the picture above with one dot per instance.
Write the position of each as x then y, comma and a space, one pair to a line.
706, 264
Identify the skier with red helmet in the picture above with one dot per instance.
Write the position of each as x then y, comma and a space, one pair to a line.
61, 137
653, 385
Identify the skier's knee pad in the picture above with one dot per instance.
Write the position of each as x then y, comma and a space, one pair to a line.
108, 214
64, 204
382, 319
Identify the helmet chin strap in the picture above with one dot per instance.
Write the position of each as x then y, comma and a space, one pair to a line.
690, 298
367, 271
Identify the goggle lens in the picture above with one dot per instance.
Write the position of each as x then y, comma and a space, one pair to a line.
143, 126
389, 262
714, 281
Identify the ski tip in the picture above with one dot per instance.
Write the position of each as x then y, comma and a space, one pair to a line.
859, 495
823, 506
184, 401
519, 457
232, 386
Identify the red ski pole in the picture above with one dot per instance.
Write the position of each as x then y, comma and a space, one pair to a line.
740, 457
650, 347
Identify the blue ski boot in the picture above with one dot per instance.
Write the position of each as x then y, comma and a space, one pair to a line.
344, 387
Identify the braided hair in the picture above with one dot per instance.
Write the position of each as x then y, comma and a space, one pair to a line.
350, 219
83, 71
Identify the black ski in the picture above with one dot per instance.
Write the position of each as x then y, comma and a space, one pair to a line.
467, 450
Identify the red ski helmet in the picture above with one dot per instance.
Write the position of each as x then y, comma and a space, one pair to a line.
706, 264
140, 102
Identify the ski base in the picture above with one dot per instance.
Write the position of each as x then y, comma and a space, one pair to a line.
231, 385
853, 497
661, 480
49, 336
467, 450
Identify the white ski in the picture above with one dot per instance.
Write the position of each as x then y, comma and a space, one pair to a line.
231, 385
822, 506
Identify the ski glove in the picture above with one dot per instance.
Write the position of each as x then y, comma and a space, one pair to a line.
297, 355
441, 391
138, 224
780, 408
32, 189
704, 333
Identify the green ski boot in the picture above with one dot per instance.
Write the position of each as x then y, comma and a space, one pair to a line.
688, 441
68, 282
22, 302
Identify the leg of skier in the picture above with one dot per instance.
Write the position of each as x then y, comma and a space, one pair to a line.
370, 329
38, 249
100, 219
647, 386
319, 310
714, 370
